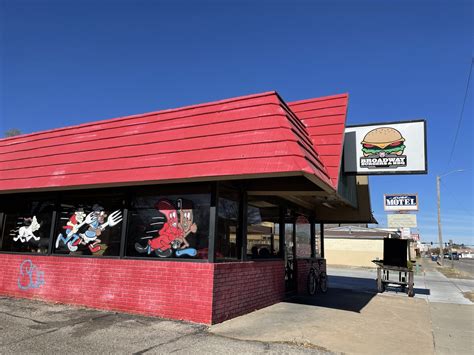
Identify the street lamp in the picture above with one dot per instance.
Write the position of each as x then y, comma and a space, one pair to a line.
440, 236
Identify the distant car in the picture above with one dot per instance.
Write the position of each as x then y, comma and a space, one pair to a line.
453, 256
434, 257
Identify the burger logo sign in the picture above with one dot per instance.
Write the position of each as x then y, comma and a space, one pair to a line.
383, 148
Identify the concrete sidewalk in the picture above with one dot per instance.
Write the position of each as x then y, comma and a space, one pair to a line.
380, 326
430, 284
353, 318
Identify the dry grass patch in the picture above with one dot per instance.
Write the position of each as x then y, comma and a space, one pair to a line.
469, 295
453, 273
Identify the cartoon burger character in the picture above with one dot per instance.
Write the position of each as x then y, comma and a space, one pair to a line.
383, 141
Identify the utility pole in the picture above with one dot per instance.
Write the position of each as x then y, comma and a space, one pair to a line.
440, 234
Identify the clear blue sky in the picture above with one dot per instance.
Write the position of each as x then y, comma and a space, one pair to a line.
69, 62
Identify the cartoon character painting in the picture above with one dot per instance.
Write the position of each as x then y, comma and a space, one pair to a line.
94, 224
172, 235
26, 232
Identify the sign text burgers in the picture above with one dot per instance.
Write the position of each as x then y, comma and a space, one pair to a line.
400, 202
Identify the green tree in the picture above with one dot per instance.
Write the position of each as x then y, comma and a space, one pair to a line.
12, 132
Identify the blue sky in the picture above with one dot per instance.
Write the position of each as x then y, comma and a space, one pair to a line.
69, 62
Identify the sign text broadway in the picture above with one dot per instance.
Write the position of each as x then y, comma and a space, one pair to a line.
386, 162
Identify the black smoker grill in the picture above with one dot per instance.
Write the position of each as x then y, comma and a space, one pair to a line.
396, 259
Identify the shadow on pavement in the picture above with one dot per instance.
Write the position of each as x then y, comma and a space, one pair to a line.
368, 285
336, 298
348, 294
418, 291
361, 284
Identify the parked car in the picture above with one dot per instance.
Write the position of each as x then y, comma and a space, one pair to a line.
434, 257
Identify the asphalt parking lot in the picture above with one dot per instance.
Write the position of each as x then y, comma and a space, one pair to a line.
33, 327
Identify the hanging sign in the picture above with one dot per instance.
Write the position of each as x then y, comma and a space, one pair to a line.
405, 233
401, 221
386, 148
400, 202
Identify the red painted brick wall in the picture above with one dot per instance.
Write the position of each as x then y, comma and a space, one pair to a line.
197, 292
240, 288
177, 290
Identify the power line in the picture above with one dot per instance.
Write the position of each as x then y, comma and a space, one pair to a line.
463, 207
461, 115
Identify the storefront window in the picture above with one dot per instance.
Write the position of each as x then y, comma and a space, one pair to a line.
228, 219
169, 226
89, 223
26, 224
262, 237
303, 238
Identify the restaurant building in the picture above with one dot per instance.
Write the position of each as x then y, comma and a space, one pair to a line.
200, 213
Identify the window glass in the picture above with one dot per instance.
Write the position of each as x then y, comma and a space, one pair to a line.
26, 224
303, 238
262, 236
89, 223
169, 226
228, 219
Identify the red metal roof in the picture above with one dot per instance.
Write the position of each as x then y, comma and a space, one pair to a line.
325, 120
250, 136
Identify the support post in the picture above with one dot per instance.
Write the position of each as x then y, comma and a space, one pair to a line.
281, 223
2, 228
242, 235
312, 237
294, 240
213, 219
123, 236
322, 239
52, 239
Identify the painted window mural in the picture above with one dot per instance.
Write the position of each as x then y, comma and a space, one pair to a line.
26, 225
171, 226
89, 225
